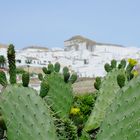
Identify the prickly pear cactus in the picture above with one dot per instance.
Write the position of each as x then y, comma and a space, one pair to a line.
57, 67
66, 77
44, 69
107, 93
60, 94
123, 63
121, 80
73, 78
40, 76
97, 83
12, 65
25, 79
122, 121
65, 70
3, 79
50, 67
44, 88
107, 67
113, 63
26, 115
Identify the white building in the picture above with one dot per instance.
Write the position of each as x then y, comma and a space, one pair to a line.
82, 55
78, 43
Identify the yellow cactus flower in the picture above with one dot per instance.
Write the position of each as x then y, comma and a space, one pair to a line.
135, 73
132, 62
74, 111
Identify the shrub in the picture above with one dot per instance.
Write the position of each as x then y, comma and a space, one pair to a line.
84, 104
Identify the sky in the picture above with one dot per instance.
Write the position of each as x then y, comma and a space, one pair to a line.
50, 22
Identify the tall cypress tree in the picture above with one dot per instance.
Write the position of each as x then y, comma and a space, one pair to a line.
12, 65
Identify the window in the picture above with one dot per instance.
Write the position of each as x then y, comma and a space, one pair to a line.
18, 60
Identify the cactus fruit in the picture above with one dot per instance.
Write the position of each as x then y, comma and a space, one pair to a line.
12, 65
113, 63
122, 121
3, 79
25, 79
107, 67
60, 94
26, 115
107, 93
40, 76
57, 67
73, 78
121, 80
44, 88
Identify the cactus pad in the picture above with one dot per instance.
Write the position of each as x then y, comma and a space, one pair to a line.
26, 115
122, 121
60, 94
107, 93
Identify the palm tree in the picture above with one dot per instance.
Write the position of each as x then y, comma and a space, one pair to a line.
2, 61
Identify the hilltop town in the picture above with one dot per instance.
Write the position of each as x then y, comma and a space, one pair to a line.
82, 55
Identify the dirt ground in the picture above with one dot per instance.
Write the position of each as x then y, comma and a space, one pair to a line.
84, 86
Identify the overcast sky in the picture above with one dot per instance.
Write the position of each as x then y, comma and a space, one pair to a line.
50, 22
